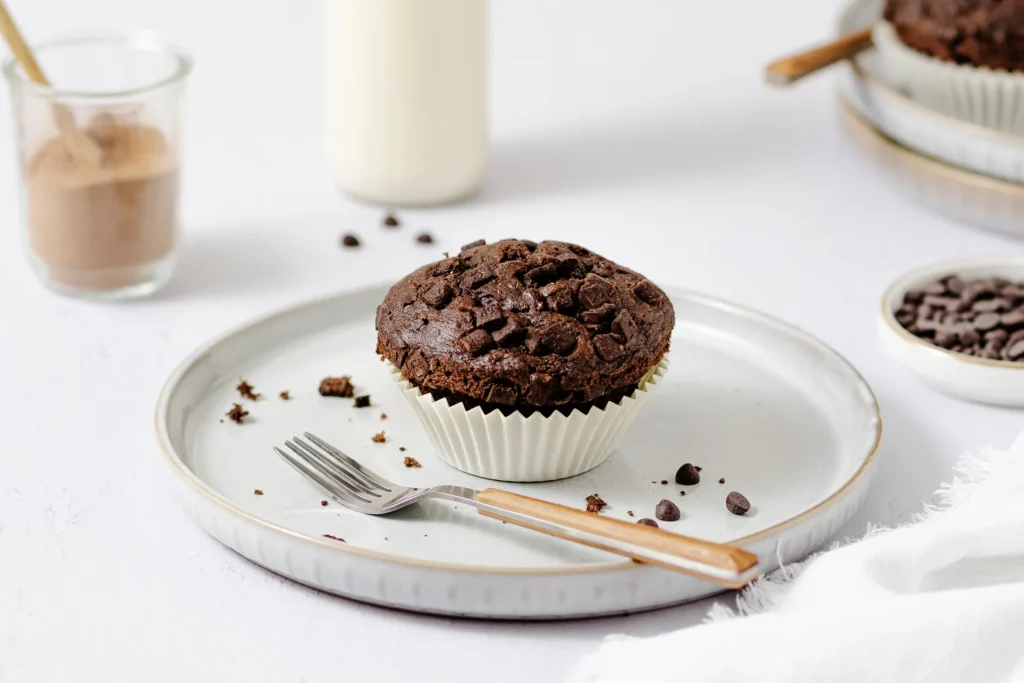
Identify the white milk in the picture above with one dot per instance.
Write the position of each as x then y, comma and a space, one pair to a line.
406, 98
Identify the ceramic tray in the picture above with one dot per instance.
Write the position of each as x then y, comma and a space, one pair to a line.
779, 415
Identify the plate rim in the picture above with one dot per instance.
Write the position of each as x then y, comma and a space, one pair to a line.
187, 476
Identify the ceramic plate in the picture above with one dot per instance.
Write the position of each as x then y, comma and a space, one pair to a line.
783, 418
947, 139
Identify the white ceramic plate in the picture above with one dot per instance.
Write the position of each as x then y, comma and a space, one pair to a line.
867, 89
975, 379
781, 416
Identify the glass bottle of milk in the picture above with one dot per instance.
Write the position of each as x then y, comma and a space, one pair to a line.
406, 98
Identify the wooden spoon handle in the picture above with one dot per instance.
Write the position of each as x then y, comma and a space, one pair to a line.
792, 69
724, 564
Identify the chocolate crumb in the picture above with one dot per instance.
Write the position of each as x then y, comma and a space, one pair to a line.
722, 480
383, 416
334, 538
379, 437
595, 503
361, 402
425, 238
246, 390
629, 512
391, 221
350, 240
237, 414
647, 521
667, 511
688, 475
411, 462
323, 503
737, 503
285, 396
682, 493
257, 492
337, 386
664, 482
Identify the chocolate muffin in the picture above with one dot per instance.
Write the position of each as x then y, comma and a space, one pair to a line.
987, 33
522, 326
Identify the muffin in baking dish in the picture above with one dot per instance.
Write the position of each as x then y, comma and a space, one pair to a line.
961, 58
525, 361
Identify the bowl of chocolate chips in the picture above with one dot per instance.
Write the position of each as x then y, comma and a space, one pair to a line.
959, 326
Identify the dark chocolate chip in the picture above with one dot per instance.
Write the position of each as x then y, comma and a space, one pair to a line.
558, 337
477, 277
561, 299
595, 291
391, 221
361, 401
510, 334
540, 389
541, 274
687, 475
598, 315
350, 240
489, 318
737, 503
471, 245
569, 266
647, 292
500, 393
477, 342
667, 511
425, 238
436, 295
647, 521
608, 347
624, 326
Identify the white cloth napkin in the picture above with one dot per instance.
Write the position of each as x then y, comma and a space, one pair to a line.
938, 600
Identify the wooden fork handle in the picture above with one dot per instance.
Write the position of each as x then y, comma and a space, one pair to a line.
724, 564
792, 69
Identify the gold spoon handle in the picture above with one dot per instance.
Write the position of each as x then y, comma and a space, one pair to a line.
792, 69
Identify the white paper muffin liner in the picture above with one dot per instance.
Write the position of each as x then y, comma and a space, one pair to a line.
519, 448
987, 97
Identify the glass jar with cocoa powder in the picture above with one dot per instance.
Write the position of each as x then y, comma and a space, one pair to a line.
100, 154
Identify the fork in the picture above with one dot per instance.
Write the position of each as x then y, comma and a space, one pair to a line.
360, 489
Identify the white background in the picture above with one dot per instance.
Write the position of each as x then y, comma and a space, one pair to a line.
640, 129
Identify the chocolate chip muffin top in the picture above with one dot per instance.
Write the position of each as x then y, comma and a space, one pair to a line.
521, 324
978, 32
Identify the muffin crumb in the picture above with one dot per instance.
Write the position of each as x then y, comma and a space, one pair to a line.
361, 402
246, 391
257, 492
286, 396
595, 503
237, 414
379, 437
340, 387
411, 462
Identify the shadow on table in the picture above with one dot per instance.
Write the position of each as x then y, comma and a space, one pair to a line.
675, 143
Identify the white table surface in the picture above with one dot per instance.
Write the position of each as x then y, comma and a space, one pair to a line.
640, 129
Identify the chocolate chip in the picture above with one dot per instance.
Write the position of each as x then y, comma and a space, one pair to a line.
598, 315
471, 245
436, 295
687, 475
477, 277
391, 221
737, 503
569, 266
510, 334
624, 326
541, 388
595, 291
425, 238
499, 393
477, 342
533, 344
558, 337
541, 274
722, 480
986, 321
361, 402
489, 318
647, 521
667, 511
350, 240
608, 348
560, 298
647, 292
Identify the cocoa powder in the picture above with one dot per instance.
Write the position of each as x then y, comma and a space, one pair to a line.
92, 225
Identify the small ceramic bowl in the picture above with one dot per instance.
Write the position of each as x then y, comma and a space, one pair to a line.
975, 379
